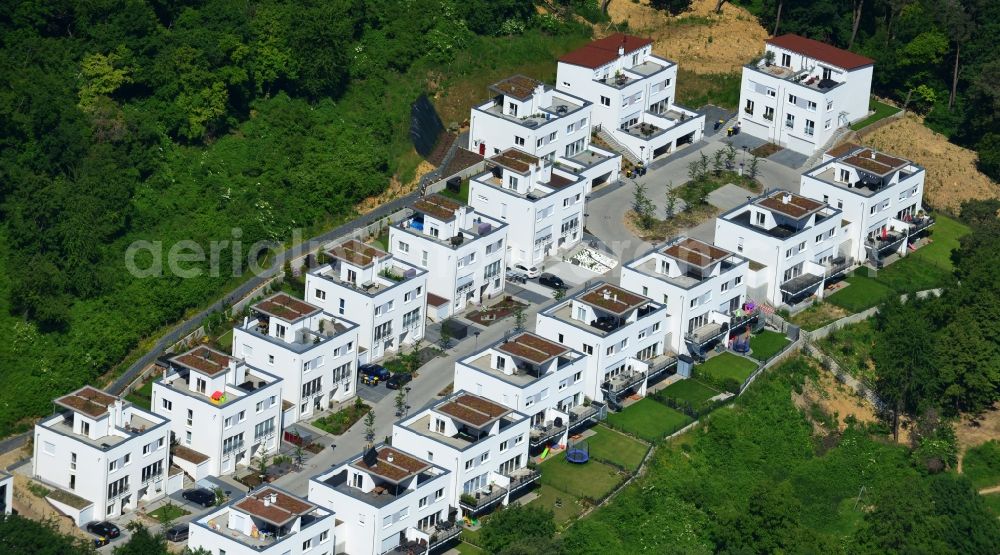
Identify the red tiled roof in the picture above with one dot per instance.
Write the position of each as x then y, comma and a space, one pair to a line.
821, 51
604, 51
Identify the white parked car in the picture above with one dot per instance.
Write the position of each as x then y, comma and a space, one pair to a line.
531, 272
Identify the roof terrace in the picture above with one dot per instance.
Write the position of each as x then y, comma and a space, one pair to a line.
532, 355
472, 415
392, 470
273, 514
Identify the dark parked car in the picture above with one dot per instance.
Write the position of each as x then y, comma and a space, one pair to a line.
104, 529
372, 374
553, 281
397, 381
200, 496
178, 533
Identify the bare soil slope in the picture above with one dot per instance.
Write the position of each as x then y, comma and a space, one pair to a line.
699, 40
952, 176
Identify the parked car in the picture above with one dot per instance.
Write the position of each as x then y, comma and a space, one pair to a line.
178, 533
104, 529
552, 280
514, 276
397, 381
531, 272
372, 374
200, 496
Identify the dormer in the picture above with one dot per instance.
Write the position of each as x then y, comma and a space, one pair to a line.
687, 257
608, 307
208, 371
269, 511
785, 210
385, 469
94, 413
519, 96
355, 262
519, 171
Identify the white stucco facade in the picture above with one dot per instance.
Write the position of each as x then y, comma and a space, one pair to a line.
221, 409
483, 445
462, 250
104, 451
799, 242
801, 97
633, 93
535, 376
267, 521
312, 350
623, 336
543, 206
545, 122
879, 194
700, 285
383, 295
385, 498
6, 493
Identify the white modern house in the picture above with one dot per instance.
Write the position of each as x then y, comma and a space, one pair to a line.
463, 251
802, 91
535, 376
382, 294
880, 195
622, 334
799, 244
222, 412
267, 521
543, 204
702, 287
6, 493
387, 500
312, 350
633, 93
102, 456
482, 444
547, 123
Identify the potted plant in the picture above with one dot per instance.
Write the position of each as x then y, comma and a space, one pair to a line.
768, 58
467, 498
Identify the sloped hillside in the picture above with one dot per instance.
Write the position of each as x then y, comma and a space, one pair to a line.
952, 177
701, 40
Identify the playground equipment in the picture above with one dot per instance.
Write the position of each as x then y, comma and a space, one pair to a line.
741, 343
578, 452
545, 453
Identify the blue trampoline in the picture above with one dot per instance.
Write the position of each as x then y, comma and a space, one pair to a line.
578, 453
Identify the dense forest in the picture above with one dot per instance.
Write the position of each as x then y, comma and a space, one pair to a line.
125, 120
936, 57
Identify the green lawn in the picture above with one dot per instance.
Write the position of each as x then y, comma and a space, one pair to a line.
566, 507
766, 344
649, 420
727, 365
690, 390
382, 241
882, 110
468, 548
981, 465
226, 340
862, 293
610, 445
461, 196
143, 396
930, 266
592, 479
993, 502
168, 511
697, 89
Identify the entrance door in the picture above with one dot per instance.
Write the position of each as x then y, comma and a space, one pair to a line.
482, 149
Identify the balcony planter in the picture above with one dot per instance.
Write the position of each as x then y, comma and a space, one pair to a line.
468, 499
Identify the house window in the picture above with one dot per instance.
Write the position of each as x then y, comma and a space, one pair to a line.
827, 73
341, 306
552, 136
439, 426
760, 218
610, 350
512, 182
270, 360
512, 108
786, 60
404, 247
843, 176
810, 127
792, 99
320, 294
577, 377
167, 405
539, 142
588, 349
789, 121
519, 141
749, 107
468, 464
279, 331
190, 416
829, 105
605, 101
811, 105
358, 480
768, 113
827, 124
819, 237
